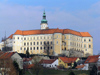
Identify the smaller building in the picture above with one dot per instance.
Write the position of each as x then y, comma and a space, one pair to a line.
91, 61
5, 57
67, 62
39, 58
27, 63
51, 63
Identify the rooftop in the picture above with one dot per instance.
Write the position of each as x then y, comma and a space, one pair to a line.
92, 59
51, 31
68, 59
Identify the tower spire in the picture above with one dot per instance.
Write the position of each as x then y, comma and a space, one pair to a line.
44, 24
44, 18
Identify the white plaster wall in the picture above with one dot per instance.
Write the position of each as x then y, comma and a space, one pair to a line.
18, 59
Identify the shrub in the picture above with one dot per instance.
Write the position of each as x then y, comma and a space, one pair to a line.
71, 73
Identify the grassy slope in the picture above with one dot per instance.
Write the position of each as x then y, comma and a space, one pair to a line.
59, 72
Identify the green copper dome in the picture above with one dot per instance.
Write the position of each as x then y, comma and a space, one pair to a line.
44, 18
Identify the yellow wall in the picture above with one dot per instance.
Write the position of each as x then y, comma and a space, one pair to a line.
61, 63
65, 65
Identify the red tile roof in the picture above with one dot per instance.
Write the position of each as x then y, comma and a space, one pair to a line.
1, 53
50, 61
68, 60
10, 36
85, 34
27, 59
6, 55
30, 66
80, 66
51, 31
92, 59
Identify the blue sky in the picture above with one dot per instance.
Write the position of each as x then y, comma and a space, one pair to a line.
79, 15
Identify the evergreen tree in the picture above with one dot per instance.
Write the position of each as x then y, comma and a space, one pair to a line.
27, 53
17, 68
94, 70
75, 64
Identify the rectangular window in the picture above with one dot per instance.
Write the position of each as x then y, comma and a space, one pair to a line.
37, 43
24, 44
24, 48
84, 45
34, 43
31, 43
24, 38
65, 43
89, 46
41, 48
27, 43
30, 48
89, 40
18, 38
65, 37
51, 47
51, 42
41, 43
84, 40
34, 48
57, 42
37, 48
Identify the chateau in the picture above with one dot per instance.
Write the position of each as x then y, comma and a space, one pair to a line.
55, 40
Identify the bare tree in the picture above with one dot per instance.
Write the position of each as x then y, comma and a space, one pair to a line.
75, 53
7, 67
37, 66
87, 54
47, 47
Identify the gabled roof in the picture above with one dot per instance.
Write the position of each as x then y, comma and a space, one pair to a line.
92, 59
50, 61
7, 55
80, 66
68, 60
51, 31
